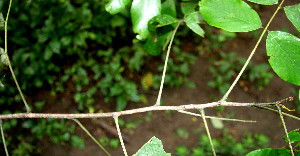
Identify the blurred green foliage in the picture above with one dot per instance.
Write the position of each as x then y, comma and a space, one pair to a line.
229, 65
76, 46
105, 141
225, 145
73, 46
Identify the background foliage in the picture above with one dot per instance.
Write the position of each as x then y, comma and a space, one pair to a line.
79, 45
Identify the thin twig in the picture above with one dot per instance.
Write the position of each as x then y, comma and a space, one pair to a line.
127, 112
286, 114
93, 138
224, 98
165, 66
3, 139
208, 133
213, 117
120, 135
285, 129
9, 64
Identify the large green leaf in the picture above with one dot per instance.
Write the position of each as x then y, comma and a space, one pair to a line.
141, 12
283, 49
230, 15
264, 2
168, 7
293, 14
153, 147
115, 6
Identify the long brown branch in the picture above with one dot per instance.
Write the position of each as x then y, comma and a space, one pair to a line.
127, 112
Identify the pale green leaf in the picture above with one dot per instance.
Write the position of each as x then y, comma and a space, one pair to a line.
293, 14
168, 7
1, 21
3, 58
192, 21
141, 12
283, 49
230, 15
115, 6
194, 17
153, 147
196, 28
264, 2
217, 123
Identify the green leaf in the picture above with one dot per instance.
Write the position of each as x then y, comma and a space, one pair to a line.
29, 124
194, 17
182, 151
155, 42
121, 103
187, 7
230, 15
182, 133
196, 28
293, 12
55, 46
269, 152
141, 12
192, 21
294, 136
153, 147
77, 142
165, 19
168, 7
217, 123
3, 59
114, 143
283, 49
115, 6
190, 84
1, 21
264, 2
152, 46
115, 90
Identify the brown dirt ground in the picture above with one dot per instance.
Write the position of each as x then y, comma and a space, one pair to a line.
164, 126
